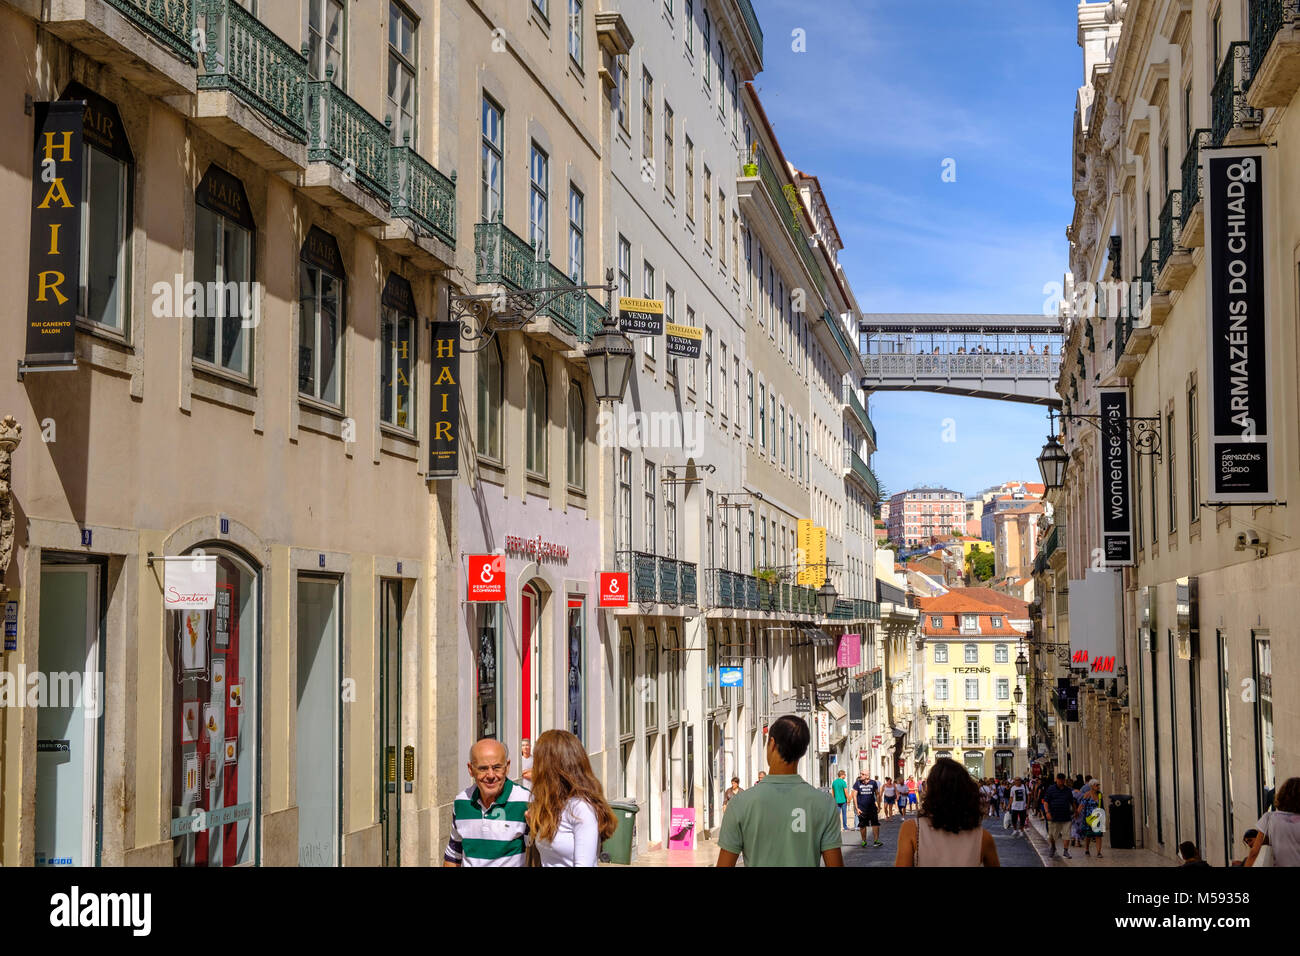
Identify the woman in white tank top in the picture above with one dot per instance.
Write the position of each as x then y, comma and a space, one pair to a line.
947, 831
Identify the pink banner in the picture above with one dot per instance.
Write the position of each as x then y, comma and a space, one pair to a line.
849, 653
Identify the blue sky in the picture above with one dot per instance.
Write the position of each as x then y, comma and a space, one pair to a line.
884, 94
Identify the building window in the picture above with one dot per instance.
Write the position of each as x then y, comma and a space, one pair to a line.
941, 688
648, 290
577, 253
735, 384
972, 688
1265, 751
708, 365
577, 652
753, 554
749, 401
397, 369
105, 271
782, 439
320, 334
972, 730
771, 422
690, 179
690, 363
937, 622
942, 730
1004, 731
669, 155
673, 665
670, 311
575, 31
1000, 652
969, 622
540, 7
401, 73
651, 677
722, 231
708, 211
1155, 495
1004, 688
735, 109
971, 653
722, 370
489, 402
711, 664
1193, 460
722, 86
648, 510
690, 26
223, 268
621, 100
997, 620
940, 653
762, 418
735, 246
491, 161
624, 500
624, 267
539, 190
1172, 473
706, 46
670, 515
535, 457
325, 41
627, 677
647, 118
577, 438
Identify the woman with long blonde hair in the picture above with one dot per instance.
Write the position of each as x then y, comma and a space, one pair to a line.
568, 817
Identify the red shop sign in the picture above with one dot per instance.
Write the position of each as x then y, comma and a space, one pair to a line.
487, 577
613, 589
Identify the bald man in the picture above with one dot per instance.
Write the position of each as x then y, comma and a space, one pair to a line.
489, 813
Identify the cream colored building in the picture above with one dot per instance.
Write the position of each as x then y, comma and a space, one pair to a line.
1192, 725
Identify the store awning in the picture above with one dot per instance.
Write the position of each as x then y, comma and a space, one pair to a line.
817, 635
835, 709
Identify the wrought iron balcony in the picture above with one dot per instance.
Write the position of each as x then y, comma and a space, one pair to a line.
787, 202
1229, 108
849, 397
751, 24
1170, 220
1149, 257
1123, 329
245, 57
1192, 169
422, 194
343, 134
170, 22
657, 580
1267, 18
1274, 52
854, 465
1052, 541
1003, 740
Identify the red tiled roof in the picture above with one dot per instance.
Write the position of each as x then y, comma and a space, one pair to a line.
1003, 601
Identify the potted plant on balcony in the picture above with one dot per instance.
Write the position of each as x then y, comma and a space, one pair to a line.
750, 165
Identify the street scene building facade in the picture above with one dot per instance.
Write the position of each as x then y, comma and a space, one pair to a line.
408, 544
1158, 659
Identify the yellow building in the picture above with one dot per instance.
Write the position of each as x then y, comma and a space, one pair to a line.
969, 698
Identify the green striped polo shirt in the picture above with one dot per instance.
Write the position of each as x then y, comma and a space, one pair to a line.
492, 836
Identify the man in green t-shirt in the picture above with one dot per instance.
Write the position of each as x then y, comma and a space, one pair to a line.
840, 787
781, 820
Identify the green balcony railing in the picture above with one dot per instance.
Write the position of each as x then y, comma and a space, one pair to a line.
1051, 542
1267, 18
1228, 106
1148, 263
245, 57
853, 463
787, 201
669, 591
837, 333
1123, 329
1192, 169
687, 582
751, 592
170, 22
1171, 219
643, 585
422, 194
343, 134
503, 257
849, 396
751, 24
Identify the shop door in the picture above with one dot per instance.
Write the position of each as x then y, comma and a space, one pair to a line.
392, 765
67, 725
318, 722
530, 609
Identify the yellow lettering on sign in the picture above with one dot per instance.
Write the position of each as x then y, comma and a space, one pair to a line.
65, 147
442, 431
56, 191
444, 401
446, 348
401, 349
401, 379
445, 377
43, 282
54, 238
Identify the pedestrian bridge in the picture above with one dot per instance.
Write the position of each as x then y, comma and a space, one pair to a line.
1013, 358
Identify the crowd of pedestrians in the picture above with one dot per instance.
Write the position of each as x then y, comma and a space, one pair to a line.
556, 814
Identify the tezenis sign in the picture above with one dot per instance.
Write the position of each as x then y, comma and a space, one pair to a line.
55, 260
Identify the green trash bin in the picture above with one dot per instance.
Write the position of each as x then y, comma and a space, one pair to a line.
618, 848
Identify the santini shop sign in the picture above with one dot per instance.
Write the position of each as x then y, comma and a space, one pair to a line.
1239, 396
55, 259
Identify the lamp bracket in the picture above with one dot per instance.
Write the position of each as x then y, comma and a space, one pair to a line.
1143, 432
482, 315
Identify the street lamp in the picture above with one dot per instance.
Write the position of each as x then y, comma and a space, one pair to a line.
1052, 462
1022, 663
826, 598
1019, 695
609, 360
